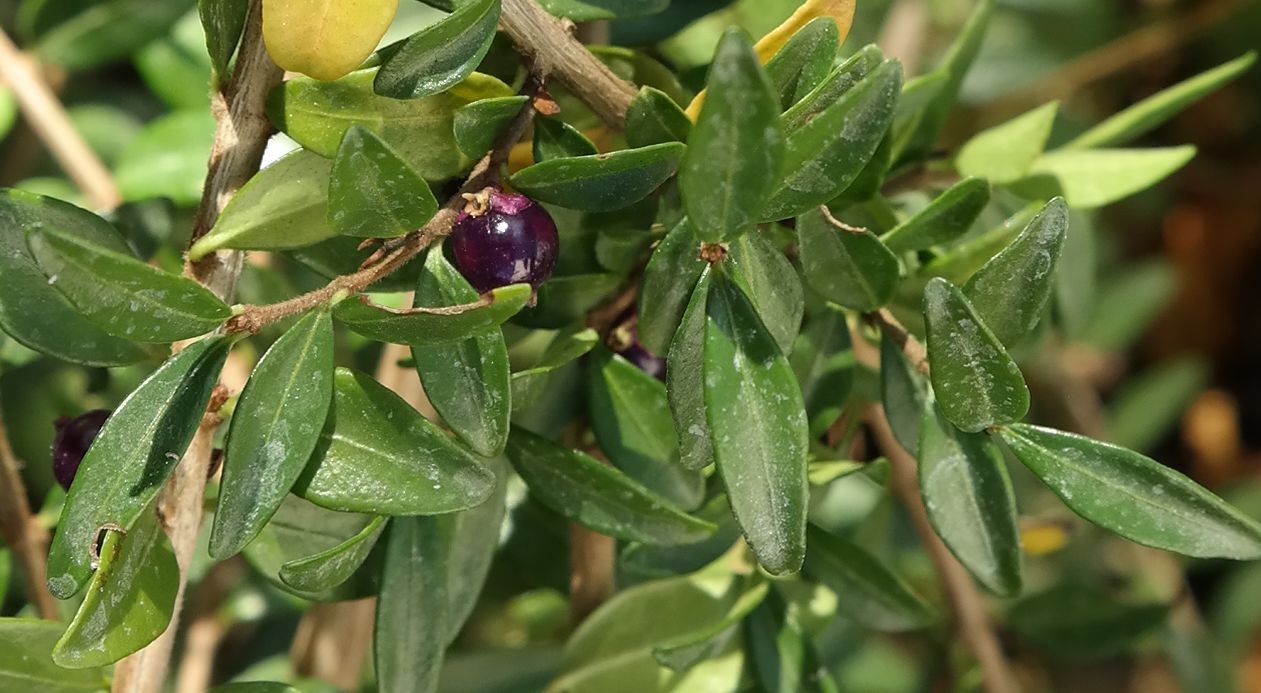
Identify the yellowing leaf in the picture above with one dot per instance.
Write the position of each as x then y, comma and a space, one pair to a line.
324, 39
842, 11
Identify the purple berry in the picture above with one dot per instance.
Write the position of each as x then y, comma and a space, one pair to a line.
645, 360
74, 437
513, 241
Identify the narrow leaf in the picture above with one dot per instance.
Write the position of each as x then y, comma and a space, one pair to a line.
685, 380
26, 662
600, 182
556, 139
436, 325
409, 639
440, 55
804, 61
372, 193
904, 393
770, 281
654, 118
222, 21
855, 270
867, 591
823, 361
1004, 153
834, 86
682, 653
1091, 178
478, 124
669, 278
946, 218
333, 566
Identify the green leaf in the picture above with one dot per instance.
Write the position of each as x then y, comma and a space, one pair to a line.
596, 495
275, 426
834, 86
771, 283
562, 300
630, 416
977, 383
332, 567
442, 54
1090, 178
970, 502
823, 362
478, 124
1134, 496
372, 193
600, 182
1004, 153
409, 638
804, 61
130, 600
654, 562
108, 31
222, 21
122, 295
904, 393
317, 114
735, 148
431, 326
685, 380
378, 455
283, 206
26, 663
1081, 621
781, 653
176, 68
669, 278
594, 10
867, 591
853, 269
945, 219
556, 139
1011, 290
682, 653
167, 158
131, 458
466, 381
254, 687
827, 153
567, 346
654, 118
33, 312
1148, 114
758, 428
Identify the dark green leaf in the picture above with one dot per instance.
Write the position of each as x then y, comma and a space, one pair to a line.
1004, 153
378, 455
596, 495
826, 154
668, 281
473, 538
593, 10
440, 55
333, 566
1134, 496
1081, 621
853, 269
631, 419
1011, 290
466, 381
556, 139
682, 653
836, 84
565, 347
478, 124
685, 380
804, 61
758, 428
665, 561
823, 361
969, 499
131, 458
600, 182
771, 283
977, 383
222, 21
654, 118
275, 426
562, 300
129, 602
781, 653
409, 639
372, 193
26, 662
254, 687
946, 218
108, 31
436, 325
735, 147
904, 392
866, 591
1090, 178
34, 313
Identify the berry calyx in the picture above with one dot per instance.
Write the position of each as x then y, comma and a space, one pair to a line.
74, 437
511, 240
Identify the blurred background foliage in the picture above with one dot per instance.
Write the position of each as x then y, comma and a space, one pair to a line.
1161, 360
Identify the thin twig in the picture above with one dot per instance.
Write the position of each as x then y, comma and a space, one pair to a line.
25, 537
206, 626
848, 228
47, 117
911, 347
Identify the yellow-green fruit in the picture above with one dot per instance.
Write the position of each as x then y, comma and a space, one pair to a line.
324, 39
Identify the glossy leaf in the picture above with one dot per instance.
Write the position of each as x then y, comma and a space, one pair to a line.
466, 381
600, 182
758, 428
735, 147
866, 590
771, 283
567, 346
945, 219
852, 269
976, 382
433, 325
834, 86
122, 295
222, 21
669, 278
826, 154
594, 10
33, 312
440, 55
372, 193
131, 458
804, 61
685, 380
275, 427
1134, 496
968, 495
654, 118
823, 362
654, 562
682, 653
283, 206
26, 663
378, 455
1011, 291
331, 567
409, 638
596, 495
1005, 152
556, 139
904, 394
324, 38
129, 602
1091, 178
630, 416
478, 124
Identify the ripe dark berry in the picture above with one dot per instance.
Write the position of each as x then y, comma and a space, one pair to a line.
624, 339
513, 241
74, 437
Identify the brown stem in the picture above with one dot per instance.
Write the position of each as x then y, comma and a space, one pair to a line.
592, 557
47, 117
911, 347
22, 532
965, 602
206, 627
